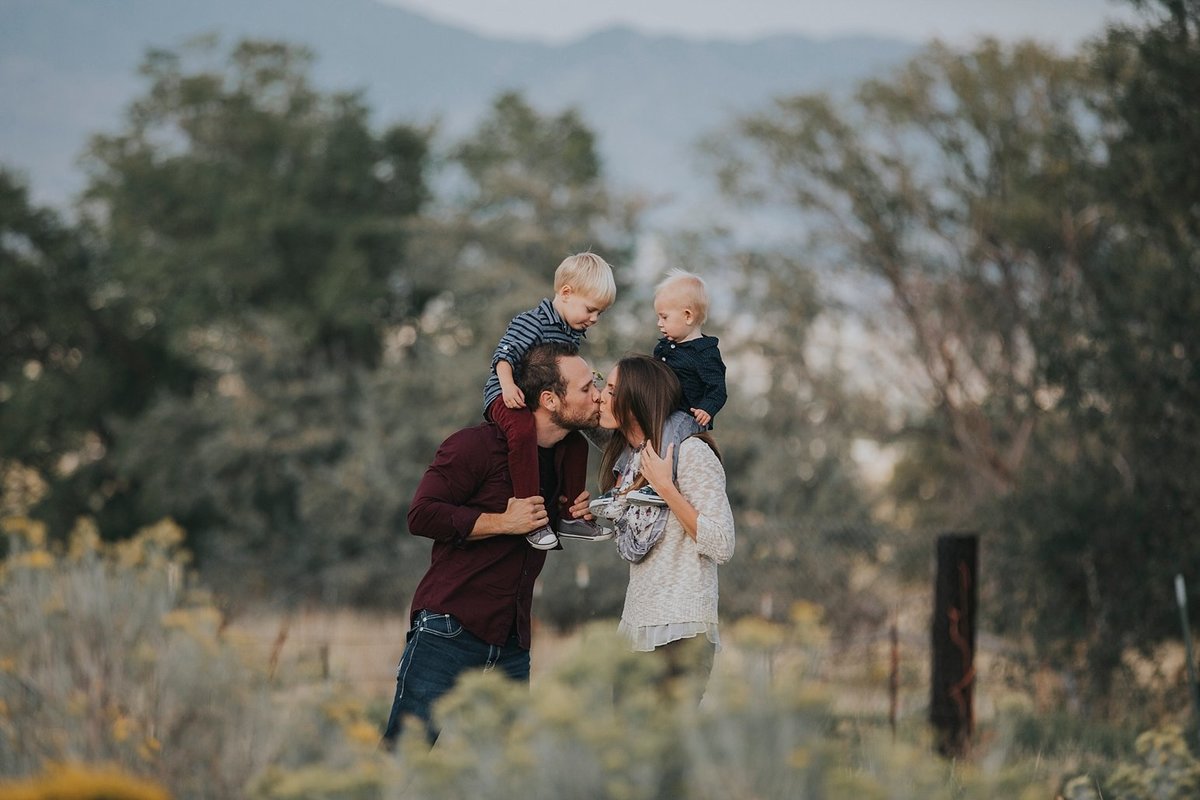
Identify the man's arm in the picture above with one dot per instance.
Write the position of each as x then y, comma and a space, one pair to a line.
441, 509
523, 515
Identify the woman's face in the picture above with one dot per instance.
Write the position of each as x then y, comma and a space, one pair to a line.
608, 420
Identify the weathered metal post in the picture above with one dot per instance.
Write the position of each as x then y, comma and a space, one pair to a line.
952, 695
1181, 599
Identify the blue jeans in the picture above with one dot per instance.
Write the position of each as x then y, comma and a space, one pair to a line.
439, 649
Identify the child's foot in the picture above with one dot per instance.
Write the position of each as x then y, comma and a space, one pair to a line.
544, 538
646, 496
583, 529
600, 507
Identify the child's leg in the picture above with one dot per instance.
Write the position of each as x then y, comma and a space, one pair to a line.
521, 435
574, 469
679, 427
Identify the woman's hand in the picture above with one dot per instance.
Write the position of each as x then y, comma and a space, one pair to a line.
657, 471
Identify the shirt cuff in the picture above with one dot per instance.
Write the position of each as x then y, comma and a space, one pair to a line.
463, 521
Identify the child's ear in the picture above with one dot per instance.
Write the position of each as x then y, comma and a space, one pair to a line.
687, 316
566, 290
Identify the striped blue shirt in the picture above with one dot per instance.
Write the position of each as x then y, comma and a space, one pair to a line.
533, 327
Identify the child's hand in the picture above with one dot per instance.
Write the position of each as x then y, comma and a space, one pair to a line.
702, 417
513, 397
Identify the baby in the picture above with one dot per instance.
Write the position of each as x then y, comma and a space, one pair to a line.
681, 303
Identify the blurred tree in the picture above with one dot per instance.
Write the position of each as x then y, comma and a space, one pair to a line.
242, 189
1114, 516
530, 192
74, 354
958, 187
1031, 220
209, 354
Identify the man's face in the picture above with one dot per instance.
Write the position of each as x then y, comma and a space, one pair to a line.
580, 408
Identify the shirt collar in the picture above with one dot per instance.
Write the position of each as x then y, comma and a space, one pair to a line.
703, 343
550, 313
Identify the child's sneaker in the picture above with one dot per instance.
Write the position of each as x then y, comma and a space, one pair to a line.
646, 496
599, 508
544, 538
583, 529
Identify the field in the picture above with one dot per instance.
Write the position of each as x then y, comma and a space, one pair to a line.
121, 679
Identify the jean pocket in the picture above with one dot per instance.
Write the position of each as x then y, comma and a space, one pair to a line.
439, 624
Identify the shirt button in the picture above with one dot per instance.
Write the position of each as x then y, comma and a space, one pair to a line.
672, 346
664, 358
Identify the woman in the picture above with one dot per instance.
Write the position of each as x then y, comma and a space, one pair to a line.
671, 602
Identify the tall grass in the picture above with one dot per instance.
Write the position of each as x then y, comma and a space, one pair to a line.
111, 660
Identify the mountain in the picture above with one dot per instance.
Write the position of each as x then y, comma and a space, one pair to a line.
68, 69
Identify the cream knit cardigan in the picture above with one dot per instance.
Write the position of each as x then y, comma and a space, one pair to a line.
677, 581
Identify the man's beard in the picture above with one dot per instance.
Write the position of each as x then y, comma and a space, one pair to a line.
579, 422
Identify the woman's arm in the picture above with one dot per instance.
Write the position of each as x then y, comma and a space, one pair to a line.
700, 502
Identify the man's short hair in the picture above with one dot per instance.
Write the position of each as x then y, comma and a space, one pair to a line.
540, 371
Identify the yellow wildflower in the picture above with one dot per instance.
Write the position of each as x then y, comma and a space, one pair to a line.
31, 530
123, 727
75, 782
85, 539
34, 559
362, 732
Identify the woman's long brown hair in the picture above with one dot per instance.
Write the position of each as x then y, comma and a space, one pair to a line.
647, 392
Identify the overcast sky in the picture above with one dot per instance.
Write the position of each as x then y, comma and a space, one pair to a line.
1060, 22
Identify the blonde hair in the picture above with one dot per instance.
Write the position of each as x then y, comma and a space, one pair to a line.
691, 290
587, 274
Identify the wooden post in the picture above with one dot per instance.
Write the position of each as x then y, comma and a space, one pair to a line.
894, 678
951, 705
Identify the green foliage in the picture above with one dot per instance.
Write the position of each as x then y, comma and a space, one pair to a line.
1164, 769
110, 657
74, 353
243, 189
1031, 221
532, 193
117, 658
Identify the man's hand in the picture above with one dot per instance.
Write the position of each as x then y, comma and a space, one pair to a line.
702, 417
524, 514
578, 509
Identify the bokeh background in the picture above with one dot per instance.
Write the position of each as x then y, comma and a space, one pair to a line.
253, 261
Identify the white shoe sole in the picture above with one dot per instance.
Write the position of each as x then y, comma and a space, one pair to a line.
603, 536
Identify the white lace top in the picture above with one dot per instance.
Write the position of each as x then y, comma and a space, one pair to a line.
672, 592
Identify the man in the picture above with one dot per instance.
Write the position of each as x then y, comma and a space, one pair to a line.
472, 607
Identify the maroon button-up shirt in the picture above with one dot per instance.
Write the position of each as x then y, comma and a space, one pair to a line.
487, 584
